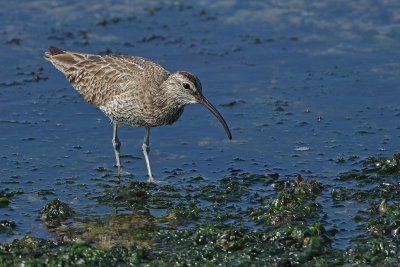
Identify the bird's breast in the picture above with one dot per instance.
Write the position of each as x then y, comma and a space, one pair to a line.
145, 116
165, 115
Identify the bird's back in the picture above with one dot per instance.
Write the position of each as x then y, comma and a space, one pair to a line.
101, 78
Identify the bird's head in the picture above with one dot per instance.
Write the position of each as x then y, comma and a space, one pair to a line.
187, 90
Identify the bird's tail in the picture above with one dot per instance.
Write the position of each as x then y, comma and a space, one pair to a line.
52, 52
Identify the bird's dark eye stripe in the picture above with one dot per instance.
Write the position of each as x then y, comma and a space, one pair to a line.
186, 85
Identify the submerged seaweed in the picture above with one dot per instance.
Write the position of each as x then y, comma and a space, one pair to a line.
240, 220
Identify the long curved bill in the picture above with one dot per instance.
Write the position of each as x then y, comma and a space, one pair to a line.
202, 100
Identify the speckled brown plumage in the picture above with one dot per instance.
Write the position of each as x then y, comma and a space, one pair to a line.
131, 90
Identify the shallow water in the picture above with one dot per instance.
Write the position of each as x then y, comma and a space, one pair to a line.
313, 82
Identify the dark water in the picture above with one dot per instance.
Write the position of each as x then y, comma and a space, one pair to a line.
308, 82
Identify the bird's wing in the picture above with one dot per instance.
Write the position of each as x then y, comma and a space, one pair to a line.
100, 78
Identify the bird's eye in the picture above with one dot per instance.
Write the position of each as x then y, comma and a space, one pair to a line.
186, 85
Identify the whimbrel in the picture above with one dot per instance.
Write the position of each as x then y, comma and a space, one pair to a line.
131, 90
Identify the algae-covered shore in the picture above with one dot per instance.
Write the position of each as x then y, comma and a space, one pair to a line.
241, 220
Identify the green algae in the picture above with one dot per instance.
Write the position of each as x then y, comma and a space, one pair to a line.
380, 242
30, 251
7, 226
55, 213
242, 220
5, 197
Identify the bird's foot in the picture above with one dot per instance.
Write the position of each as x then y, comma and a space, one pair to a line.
121, 173
150, 179
119, 169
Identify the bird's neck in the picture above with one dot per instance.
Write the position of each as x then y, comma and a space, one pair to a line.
167, 106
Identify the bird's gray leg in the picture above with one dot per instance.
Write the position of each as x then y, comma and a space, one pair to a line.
146, 150
117, 146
